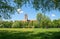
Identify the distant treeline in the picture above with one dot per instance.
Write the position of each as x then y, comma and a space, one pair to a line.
42, 21
31, 24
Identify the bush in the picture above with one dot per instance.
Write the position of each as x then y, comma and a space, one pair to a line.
7, 24
16, 25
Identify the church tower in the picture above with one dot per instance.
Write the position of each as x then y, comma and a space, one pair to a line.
26, 17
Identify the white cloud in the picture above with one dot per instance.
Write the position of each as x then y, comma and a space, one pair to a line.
19, 11
53, 15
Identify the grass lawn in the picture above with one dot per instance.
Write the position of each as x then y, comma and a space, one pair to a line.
29, 33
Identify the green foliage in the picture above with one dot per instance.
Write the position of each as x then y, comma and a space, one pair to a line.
43, 20
25, 24
40, 4
6, 9
7, 24
1, 24
37, 4
35, 24
30, 24
56, 23
16, 24
39, 17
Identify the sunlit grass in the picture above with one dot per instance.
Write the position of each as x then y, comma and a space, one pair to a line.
29, 33
32, 29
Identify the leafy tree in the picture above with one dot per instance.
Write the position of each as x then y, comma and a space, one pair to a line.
22, 24
35, 24
16, 24
46, 23
26, 24
43, 20
56, 23
6, 8
40, 17
1, 24
30, 25
7, 24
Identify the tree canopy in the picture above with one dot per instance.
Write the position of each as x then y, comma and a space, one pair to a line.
40, 4
8, 6
6, 9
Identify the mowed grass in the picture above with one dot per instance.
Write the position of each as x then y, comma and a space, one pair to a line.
29, 33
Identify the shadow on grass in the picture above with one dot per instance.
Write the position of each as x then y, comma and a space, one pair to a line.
29, 35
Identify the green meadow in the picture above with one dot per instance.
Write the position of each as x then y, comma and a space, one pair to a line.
29, 33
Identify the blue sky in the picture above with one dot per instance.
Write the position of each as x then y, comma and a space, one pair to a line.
54, 14
26, 10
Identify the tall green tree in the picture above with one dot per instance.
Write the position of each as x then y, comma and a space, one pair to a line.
43, 20
39, 18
